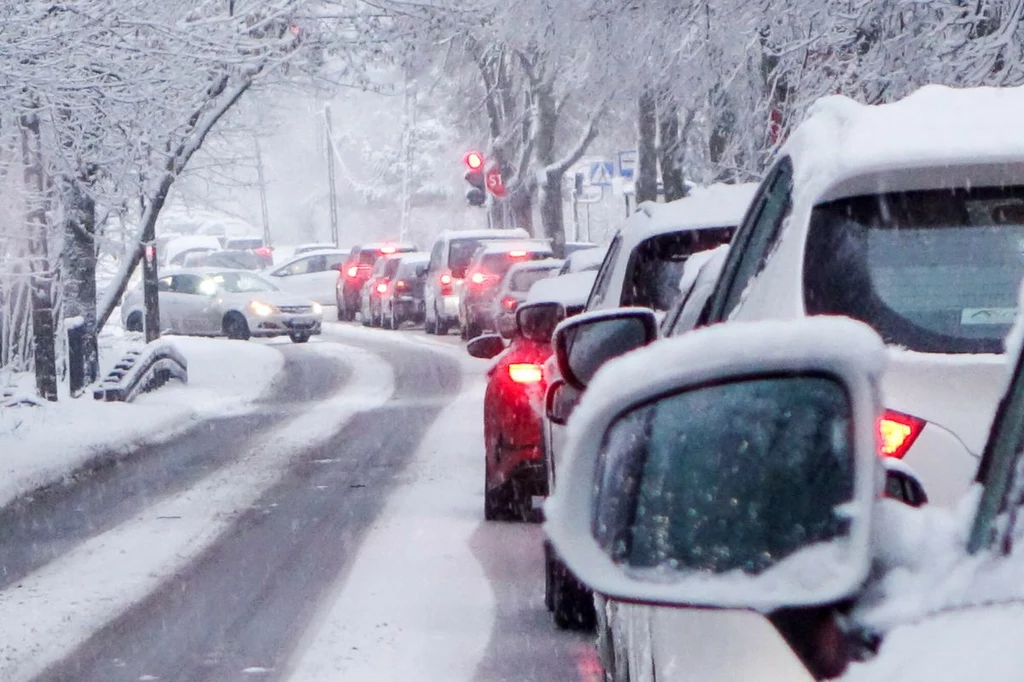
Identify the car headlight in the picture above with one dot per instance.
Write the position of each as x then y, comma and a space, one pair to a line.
262, 309
317, 308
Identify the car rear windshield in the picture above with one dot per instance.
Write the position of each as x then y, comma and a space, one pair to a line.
499, 263
934, 271
460, 252
656, 265
524, 279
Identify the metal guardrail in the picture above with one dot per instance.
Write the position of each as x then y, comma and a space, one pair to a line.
140, 371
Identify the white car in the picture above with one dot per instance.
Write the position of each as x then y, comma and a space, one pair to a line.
234, 303
313, 274
730, 477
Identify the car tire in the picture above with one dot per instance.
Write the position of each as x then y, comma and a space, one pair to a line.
441, 328
134, 323
236, 327
429, 326
394, 322
473, 329
299, 337
572, 603
549, 578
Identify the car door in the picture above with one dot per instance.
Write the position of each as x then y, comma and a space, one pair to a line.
188, 304
303, 276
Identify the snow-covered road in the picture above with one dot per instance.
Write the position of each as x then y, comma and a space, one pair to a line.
334, 535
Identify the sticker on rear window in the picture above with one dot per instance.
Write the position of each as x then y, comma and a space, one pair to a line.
987, 316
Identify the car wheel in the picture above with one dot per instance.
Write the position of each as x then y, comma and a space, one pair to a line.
572, 603
376, 317
441, 327
341, 312
549, 579
394, 322
235, 327
473, 329
134, 322
299, 337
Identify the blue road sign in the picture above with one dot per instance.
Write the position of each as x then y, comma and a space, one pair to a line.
601, 174
627, 163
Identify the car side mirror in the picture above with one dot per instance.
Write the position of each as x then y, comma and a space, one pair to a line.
537, 321
585, 342
902, 483
732, 467
559, 402
485, 346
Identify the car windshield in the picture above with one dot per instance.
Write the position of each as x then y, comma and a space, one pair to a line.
241, 283
656, 265
932, 271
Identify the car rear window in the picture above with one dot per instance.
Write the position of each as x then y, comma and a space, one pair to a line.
524, 279
656, 265
499, 263
460, 252
933, 271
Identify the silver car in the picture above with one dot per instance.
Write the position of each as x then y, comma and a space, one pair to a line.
221, 302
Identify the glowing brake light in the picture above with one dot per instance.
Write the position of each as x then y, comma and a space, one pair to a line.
524, 373
897, 432
446, 279
387, 249
382, 288
509, 303
478, 278
400, 284
517, 254
353, 271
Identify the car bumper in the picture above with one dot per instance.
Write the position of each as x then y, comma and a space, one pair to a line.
284, 323
450, 307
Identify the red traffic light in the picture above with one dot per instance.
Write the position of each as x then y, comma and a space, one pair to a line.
473, 160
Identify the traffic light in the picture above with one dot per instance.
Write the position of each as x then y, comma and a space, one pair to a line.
476, 195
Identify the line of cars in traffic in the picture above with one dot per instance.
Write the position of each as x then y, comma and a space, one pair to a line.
738, 447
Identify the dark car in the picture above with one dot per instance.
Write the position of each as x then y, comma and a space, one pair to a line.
357, 270
401, 298
383, 272
483, 277
254, 245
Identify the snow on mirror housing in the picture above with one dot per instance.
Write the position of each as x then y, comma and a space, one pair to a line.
585, 342
731, 467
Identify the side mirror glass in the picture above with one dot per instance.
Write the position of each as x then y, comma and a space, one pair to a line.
560, 401
902, 484
738, 473
537, 321
507, 327
585, 342
486, 346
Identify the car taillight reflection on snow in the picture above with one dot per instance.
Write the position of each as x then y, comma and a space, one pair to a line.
897, 432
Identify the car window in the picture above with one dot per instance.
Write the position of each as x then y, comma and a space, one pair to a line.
379, 268
334, 261
524, 279
391, 267
368, 257
164, 284
656, 265
755, 239
604, 274
243, 260
436, 256
186, 284
460, 252
241, 282
933, 271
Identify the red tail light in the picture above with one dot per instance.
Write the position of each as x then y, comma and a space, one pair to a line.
264, 251
382, 288
525, 373
897, 432
446, 279
517, 253
478, 278
509, 303
387, 249
352, 271
400, 284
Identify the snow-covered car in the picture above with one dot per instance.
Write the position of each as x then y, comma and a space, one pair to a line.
177, 249
730, 477
515, 287
234, 303
449, 257
376, 285
401, 299
356, 270
312, 274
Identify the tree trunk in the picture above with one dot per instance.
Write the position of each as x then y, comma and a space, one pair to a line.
723, 128
41, 283
551, 214
646, 183
79, 266
669, 148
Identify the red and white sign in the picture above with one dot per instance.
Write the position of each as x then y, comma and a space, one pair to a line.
495, 185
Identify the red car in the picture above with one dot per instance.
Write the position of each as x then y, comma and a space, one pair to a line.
513, 406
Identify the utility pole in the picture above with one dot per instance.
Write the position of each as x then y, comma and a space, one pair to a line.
263, 192
408, 127
332, 189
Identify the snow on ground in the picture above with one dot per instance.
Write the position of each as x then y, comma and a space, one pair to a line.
41, 444
64, 602
417, 604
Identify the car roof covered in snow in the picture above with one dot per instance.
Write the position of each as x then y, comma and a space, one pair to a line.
511, 233
935, 137
572, 289
502, 246
717, 205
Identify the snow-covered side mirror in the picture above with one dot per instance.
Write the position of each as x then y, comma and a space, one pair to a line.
731, 467
537, 321
585, 342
